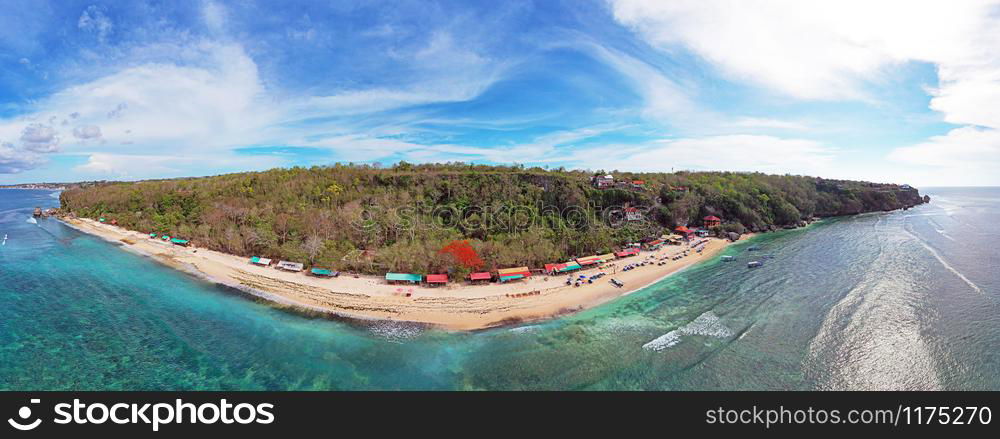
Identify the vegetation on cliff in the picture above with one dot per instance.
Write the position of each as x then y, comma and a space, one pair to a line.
364, 218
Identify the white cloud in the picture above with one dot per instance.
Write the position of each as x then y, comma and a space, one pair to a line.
217, 102
94, 20
138, 166
963, 156
742, 152
767, 123
87, 132
812, 49
214, 15
665, 100
41, 138
14, 160
840, 49
213, 100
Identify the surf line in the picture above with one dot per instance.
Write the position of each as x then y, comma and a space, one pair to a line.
945, 263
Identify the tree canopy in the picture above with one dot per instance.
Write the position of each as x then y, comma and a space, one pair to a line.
413, 218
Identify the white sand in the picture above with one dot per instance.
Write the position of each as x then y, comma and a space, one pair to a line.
458, 305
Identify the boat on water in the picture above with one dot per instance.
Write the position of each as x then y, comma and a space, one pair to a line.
4, 239
32, 220
754, 264
753, 248
728, 258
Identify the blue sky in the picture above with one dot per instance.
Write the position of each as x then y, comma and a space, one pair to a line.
898, 91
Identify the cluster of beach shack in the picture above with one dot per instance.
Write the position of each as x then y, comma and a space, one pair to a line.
294, 267
170, 239
153, 235
502, 275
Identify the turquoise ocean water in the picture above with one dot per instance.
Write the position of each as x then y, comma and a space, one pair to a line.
901, 300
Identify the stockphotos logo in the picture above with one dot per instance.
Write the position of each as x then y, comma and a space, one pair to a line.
153, 414
25, 414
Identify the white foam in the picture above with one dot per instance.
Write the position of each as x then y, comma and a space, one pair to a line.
395, 331
946, 264
664, 341
707, 324
944, 234
525, 329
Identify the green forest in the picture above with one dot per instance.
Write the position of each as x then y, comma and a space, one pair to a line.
370, 219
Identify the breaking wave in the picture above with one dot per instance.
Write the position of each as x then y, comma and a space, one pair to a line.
664, 341
395, 331
707, 325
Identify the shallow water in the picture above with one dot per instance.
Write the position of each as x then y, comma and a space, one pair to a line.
904, 300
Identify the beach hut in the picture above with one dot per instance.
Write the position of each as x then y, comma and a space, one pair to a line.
263, 262
627, 252
403, 277
570, 266
322, 272
289, 266
101, 219
509, 274
180, 242
654, 244
437, 279
589, 260
562, 268
684, 231
165, 237
565, 267
711, 221
153, 235
481, 276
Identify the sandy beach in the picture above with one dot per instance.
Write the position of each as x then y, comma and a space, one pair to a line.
457, 306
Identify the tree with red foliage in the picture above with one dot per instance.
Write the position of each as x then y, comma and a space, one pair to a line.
464, 254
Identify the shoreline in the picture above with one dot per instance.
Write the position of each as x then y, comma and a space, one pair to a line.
457, 306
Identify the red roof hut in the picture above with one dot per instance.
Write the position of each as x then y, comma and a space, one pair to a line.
437, 279
682, 230
482, 275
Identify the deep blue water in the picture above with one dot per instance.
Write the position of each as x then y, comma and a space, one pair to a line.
901, 300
